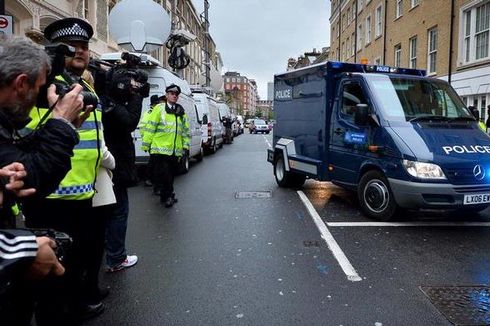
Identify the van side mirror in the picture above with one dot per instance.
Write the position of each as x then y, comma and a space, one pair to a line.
205, 119
361, 115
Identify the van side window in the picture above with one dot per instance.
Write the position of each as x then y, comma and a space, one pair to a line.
352, 95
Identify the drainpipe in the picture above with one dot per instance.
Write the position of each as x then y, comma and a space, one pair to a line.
449, 70
355, 35
2, 7
384, 32
340, 29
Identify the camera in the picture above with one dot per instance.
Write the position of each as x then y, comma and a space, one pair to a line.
117, 81
63, 241
57, 53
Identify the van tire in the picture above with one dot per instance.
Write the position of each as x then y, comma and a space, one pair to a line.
184, 163
200, 156
287, 179
213, 148
375, 196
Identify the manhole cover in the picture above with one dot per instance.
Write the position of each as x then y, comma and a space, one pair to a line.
461, 305
311, 243
253, 194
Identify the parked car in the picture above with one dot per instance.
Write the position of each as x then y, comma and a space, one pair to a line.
259, 125
160, 78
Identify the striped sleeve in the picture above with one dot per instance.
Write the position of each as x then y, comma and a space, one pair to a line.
16, 247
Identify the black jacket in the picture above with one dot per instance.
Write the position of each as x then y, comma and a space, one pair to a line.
119, 122
46, 159
45, 154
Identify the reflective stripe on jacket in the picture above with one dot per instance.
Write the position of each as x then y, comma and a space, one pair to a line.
78, 183
165, 133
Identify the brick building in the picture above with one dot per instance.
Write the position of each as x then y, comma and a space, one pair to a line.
447, 38
241, 93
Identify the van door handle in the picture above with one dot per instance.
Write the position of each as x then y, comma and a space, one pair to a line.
339, 131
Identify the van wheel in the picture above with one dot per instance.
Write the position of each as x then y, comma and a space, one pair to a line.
287, 179
214, 148
184, 163
200, 156
375, 196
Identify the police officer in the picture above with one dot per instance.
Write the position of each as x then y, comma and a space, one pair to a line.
166, 137
69, 207
154, 100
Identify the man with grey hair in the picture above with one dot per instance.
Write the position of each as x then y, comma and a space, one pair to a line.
45, 155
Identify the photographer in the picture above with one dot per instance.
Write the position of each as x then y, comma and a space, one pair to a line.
120, 117
69, 208
23, 70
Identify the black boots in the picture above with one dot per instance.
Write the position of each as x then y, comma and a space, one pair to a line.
169, 201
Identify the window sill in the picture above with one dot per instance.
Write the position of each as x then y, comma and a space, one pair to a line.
412, 8
378, 37
397, 18
431, 74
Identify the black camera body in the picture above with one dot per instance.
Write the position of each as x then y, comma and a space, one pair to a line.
121, 80
57, 53
63, 241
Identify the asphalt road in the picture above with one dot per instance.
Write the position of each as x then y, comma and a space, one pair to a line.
215, 259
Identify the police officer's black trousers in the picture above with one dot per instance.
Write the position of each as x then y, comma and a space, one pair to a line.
164, 169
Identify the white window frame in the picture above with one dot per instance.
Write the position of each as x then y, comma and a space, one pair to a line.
472, 33
348, 50
397, 58
412, 52
432, 35
353, 48
359, 37
359, 5
368, 29
414, 3
379, 21
398, 9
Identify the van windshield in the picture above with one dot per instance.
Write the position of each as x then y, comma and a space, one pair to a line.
414, 99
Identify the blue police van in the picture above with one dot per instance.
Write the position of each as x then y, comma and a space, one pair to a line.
396, 137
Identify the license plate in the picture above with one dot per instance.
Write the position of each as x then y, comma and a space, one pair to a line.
476, 199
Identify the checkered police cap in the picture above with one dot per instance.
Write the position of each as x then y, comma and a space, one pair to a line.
69, 29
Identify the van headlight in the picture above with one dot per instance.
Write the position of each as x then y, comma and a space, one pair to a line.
424, 170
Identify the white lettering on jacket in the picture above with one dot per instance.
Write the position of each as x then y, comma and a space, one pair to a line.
466, 149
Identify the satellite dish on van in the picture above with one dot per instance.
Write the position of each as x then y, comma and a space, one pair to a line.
139, 25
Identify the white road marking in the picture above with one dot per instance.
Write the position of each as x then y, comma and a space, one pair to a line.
397, 224
267, 141
344, 263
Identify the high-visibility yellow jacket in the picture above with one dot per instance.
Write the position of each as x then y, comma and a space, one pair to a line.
164, 133
78, 183
144, 120
482, 126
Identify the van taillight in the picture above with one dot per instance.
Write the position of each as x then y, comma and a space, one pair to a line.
210, 129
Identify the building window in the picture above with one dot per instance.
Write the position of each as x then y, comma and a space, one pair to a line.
379, 21
359, 5
399, 8
348, 44
85, 9
413, 52
368, 29
349, 18
377, 61
398, 55
414, 3
359, 37
353, 48
476, 33
481, 30
432, 51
